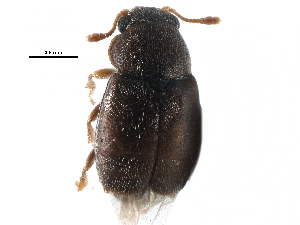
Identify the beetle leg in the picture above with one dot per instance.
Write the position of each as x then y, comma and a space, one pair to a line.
83, 181
99, 74
92, 117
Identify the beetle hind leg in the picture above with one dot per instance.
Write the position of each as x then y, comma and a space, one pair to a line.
83, 181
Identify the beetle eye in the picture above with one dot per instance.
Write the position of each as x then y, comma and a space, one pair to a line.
123, 23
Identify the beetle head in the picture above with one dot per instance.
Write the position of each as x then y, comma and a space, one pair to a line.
142, 15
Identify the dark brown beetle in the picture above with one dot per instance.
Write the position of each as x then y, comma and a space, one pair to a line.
148, 132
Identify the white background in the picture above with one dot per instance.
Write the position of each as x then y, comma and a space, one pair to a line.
247, 70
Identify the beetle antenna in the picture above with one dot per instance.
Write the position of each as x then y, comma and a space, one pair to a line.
209, 20
100, 36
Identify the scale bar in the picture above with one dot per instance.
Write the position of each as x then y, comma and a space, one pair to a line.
48, 56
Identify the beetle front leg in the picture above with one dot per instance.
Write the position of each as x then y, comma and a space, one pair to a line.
99, 74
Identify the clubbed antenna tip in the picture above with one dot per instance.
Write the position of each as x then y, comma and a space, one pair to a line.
207, 20
97, 37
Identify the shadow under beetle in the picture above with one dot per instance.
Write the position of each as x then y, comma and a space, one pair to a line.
148, 133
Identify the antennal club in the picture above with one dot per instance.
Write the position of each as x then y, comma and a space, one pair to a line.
209, 20
100, 36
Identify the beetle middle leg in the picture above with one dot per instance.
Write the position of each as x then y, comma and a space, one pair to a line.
92, 117
99, 74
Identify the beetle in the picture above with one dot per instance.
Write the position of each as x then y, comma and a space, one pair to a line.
148, 133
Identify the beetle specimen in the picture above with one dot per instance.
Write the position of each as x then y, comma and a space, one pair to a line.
148, 133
